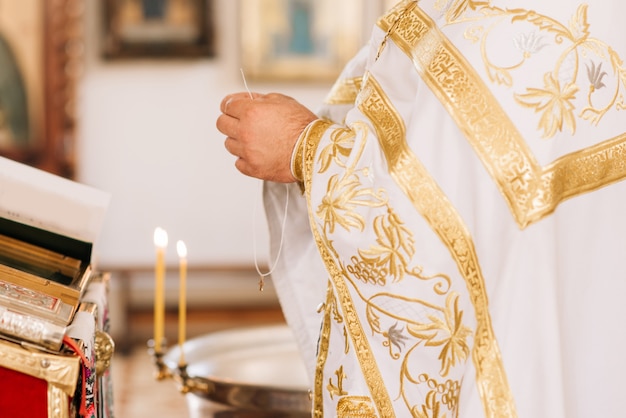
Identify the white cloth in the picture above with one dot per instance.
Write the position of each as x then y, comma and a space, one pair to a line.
469, 210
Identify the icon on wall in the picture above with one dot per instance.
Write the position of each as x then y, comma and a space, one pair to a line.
299, 40
158, 29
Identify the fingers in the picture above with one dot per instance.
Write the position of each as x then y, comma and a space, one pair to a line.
231, 103
243, 167
233, 147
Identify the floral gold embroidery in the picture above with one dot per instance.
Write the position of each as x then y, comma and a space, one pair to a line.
439, 395
554, 103
342, 141
393, 250
457, 8
531, 191
339, 204
447, 332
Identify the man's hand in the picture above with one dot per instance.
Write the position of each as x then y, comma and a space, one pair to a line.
262, 131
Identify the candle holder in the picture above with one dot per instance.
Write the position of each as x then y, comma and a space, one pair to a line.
179, 375
255, 399
162, 372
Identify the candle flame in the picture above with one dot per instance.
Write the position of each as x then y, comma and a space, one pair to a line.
182, 249
160, 237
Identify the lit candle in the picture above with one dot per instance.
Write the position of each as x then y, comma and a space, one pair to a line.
182, 299
160, 242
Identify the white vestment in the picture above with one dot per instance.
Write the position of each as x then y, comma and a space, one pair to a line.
463, 221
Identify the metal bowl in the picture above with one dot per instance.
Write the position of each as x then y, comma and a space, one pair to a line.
257, 372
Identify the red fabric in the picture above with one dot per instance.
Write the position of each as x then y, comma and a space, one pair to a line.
22, 396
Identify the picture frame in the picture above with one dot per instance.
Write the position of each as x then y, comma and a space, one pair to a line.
158, 29
299, 40
41, 52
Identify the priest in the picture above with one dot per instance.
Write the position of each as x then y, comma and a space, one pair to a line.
455, 232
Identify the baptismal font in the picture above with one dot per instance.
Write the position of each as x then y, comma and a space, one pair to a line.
254, 371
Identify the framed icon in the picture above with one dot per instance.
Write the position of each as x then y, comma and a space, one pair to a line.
299, 40
158, 29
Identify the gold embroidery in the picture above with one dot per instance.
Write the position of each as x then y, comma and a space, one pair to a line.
391, 253
337, 389
369, 369
429, 200
339, 204
449, 333
344, 194
438, 394
322, 355
555, 103
344, 91
341, 142
457, 8
531, 191
393, 249
312, 138
355, 407
297, 156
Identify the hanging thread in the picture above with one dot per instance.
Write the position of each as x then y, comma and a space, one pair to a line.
262, 276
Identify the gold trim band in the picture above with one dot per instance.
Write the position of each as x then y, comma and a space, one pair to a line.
344, 91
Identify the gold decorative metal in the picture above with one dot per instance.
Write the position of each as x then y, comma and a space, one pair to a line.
58, 370
58, 403
161, 370
105, 347
254, 399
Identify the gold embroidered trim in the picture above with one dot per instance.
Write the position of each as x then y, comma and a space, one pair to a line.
59, 370
413, 178
362, 349
58, 403
297, 155
311, 140
355, 406
531, 191
324, 344
344, 91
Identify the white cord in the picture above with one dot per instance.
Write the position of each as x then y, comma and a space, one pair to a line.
262, 276
245, 84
